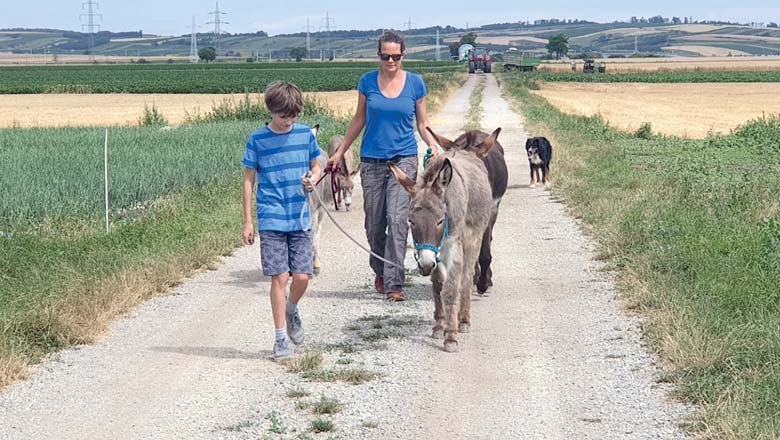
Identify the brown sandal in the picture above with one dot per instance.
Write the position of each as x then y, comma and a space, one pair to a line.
396, 296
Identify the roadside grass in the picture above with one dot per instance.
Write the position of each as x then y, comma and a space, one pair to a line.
692, 230
474, 115
322, 425
326, 405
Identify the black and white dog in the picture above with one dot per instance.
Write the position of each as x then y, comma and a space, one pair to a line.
539, 152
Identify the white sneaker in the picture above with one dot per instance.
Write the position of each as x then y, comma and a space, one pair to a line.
295, 328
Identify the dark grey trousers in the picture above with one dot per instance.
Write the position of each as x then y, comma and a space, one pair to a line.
386, 205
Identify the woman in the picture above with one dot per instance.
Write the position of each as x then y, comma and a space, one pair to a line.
390, 100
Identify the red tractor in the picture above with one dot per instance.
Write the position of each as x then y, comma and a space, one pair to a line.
479, 59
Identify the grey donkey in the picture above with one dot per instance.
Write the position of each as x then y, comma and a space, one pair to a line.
450, 209
316, 209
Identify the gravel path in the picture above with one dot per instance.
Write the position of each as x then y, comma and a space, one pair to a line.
550, 355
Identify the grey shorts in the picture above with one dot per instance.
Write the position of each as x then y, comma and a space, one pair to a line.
282, 252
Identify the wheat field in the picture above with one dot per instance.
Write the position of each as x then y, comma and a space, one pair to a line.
84, 110
682, 109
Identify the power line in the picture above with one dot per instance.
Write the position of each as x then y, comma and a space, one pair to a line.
194, 43
327, 21
91, 25
218, 22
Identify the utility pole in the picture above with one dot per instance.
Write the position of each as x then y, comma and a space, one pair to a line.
194, 43
409, 24
635, 45
90, 25
217, 25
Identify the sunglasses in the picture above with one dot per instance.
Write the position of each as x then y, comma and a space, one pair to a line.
387, 56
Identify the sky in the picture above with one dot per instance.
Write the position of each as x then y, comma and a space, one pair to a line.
174, 17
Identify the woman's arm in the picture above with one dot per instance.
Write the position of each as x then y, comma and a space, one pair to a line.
421, 114
353, 130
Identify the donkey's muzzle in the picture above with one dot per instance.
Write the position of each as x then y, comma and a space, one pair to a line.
426, 262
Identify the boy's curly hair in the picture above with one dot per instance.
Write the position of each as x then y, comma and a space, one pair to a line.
284, 98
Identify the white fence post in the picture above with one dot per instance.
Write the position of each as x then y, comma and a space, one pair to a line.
105, 177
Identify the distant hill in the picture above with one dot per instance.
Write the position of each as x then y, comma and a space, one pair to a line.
584, 37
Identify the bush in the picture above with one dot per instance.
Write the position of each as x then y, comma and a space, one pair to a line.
645, 131
152, 118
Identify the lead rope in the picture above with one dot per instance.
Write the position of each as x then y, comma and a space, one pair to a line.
319, 199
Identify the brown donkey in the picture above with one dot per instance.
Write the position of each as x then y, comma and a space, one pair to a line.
449, 211
498, 176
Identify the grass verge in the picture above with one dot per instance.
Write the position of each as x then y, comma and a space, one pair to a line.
693, 230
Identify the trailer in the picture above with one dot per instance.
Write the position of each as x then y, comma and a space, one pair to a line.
515, 60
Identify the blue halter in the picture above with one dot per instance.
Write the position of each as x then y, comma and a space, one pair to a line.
431, 247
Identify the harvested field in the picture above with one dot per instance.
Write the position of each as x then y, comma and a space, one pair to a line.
707, 51
689, 110
124, 109
619, 65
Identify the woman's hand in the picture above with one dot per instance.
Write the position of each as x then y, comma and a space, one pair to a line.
335, 160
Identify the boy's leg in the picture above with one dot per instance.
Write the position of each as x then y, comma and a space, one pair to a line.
300, 251
275, 262
398, 225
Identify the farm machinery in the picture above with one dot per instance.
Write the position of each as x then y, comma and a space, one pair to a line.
591, 66
515, 60
479, 59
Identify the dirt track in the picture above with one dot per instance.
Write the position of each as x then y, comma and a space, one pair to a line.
550, 355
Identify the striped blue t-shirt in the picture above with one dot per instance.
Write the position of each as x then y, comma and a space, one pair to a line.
280, 161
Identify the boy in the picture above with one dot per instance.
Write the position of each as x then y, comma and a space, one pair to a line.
282, 153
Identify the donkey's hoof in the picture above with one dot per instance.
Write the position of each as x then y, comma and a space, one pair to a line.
437, 333
464, 327
316, 271
451, 346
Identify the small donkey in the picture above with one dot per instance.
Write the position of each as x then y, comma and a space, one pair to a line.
450, 208
317, 210
345, 174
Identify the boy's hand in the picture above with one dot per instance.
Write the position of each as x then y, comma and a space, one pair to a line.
306, 180
249, 233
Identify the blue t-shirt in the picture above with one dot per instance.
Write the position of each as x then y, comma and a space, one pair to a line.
390, 122
280, 161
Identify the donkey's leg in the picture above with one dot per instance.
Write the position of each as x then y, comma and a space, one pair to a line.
464, 313
485, 255
438, 311
450, 296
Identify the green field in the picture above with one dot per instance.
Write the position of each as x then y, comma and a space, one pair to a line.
691, 229
192, 78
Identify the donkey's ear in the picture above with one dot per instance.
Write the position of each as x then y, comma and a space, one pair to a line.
441, 140
402, 178
488, 143
315, 130
445, 174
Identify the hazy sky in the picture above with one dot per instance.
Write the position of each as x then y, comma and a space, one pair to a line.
174, 17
